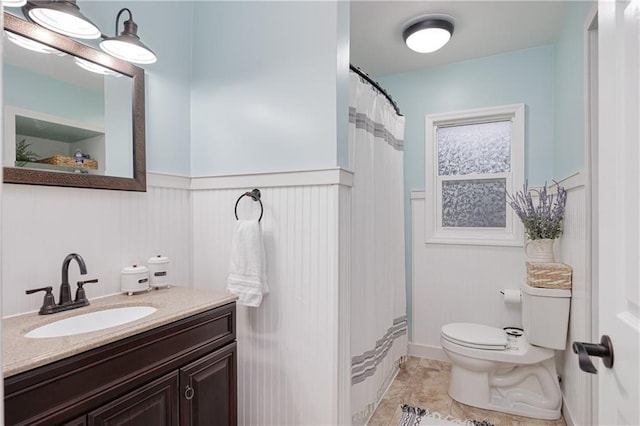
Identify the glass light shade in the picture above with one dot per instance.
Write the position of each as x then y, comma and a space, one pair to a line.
428, 35
128, 49
98, 69
428, 40
64, 18
14, 3
33, 45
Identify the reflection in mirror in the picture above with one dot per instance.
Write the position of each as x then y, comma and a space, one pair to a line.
73, 116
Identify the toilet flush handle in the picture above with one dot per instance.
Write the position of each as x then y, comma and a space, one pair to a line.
603, 350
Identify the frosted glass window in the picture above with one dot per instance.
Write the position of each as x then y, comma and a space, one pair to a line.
473, 159
480, 148
474, 203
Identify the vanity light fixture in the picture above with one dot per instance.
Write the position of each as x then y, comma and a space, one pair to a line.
428, 35
62, 16
14, 3
33, 45
98, 69
127, 45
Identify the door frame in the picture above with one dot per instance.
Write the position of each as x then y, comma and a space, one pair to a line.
591, 193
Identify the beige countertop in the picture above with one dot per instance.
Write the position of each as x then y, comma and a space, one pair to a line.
20, 353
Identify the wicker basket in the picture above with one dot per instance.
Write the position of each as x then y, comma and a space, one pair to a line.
61, 160
549, 275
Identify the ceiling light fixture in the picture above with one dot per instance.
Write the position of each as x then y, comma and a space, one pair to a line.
428, 35
127, 45
62, 16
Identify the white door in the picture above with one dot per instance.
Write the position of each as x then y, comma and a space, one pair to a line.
618, 188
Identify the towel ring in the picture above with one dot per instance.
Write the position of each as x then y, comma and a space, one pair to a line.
255, 195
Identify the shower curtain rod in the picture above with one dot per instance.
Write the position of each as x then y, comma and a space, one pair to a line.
376, 85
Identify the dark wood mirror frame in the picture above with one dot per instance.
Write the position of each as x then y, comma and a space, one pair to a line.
65, 44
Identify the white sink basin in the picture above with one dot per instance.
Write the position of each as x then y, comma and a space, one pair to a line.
92, 321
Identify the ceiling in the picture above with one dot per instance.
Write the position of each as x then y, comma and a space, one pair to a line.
482, 28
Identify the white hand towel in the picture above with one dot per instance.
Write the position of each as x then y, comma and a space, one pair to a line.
247, 269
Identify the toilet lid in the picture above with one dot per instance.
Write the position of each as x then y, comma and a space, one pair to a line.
476, 335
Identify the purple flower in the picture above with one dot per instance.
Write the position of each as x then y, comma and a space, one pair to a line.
545, 219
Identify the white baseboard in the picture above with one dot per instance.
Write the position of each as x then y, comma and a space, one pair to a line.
426, 351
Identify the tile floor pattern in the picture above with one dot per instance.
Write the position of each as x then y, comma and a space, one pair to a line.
424, 383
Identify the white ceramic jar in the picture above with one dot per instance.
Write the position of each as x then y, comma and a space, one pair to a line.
134, 279
159, 271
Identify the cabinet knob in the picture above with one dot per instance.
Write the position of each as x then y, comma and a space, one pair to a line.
188, 392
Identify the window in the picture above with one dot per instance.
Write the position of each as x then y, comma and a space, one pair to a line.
472, 159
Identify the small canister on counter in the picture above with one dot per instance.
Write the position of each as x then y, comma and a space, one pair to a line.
159, 271
134, 279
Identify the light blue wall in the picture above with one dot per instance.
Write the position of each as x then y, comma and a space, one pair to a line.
264, 86
569, 99
37, 92
342, 109
164, 26
519, 77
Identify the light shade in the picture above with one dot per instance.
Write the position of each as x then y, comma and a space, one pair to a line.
33, 45
14, 3
95, 68
428, 35
64, 17
127, 46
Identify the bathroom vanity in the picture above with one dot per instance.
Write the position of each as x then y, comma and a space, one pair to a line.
175, 367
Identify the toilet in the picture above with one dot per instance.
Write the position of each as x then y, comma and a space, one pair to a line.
511, 373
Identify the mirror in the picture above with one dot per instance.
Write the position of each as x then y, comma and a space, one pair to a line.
65, 125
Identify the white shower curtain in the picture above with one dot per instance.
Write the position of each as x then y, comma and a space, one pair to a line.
378, 303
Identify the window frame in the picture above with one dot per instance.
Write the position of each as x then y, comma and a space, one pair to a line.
513, 233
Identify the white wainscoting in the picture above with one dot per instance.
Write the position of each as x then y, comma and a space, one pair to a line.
109, 229
458, 283
291, 349
294, 351
572, 250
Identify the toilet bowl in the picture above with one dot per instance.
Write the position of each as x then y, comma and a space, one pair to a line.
512, 374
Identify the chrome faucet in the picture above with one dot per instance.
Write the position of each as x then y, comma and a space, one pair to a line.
65, 303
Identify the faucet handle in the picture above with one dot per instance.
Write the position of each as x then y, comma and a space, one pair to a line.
49, 301
80, 294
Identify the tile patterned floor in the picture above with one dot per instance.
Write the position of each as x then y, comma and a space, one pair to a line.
423, 382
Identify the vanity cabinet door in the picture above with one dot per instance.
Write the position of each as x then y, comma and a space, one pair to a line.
153, 404
208, 390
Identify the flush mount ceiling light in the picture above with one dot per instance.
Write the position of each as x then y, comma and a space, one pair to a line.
127, 45
64, 17
428, 35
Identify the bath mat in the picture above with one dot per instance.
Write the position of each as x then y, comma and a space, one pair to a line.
416, 416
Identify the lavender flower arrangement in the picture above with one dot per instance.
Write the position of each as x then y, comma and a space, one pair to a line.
545, 219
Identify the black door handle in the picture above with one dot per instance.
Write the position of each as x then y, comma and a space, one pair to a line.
604, 350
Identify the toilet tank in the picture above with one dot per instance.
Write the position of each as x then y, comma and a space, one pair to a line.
545, 316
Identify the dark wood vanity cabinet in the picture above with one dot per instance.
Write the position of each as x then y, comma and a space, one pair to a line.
182, 373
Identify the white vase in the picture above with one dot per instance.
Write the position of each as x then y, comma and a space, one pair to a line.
539, 251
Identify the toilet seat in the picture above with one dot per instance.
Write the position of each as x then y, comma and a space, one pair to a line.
518, 350
477, 336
